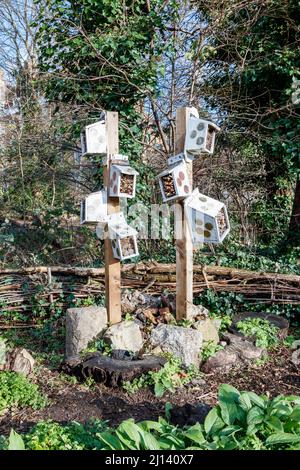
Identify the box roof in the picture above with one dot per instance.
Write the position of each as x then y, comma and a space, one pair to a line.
203, 203
117, 224
125, 169
171, 168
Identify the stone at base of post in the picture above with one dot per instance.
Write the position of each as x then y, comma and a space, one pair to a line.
82, 326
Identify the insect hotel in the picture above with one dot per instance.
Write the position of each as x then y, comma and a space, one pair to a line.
93, 208
207, 218
122, 181
204, 218
123, 237
200, 136
174, 182
94, 139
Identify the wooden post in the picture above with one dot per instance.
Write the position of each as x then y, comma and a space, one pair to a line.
184, 244
112, 265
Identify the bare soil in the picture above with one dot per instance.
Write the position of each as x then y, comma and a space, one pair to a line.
81, 403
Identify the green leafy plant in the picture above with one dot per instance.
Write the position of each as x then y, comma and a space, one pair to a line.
209, 349
262, 361
168, 378
257, 257
48, 435
240, 421
186, 323
128, 317
90, 382
225, 320
264, 332
290, 339
17, 391
15, 441
97, 345
222, 303
244, 420
88, 301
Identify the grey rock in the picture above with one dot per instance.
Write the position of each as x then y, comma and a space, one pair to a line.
248, 352
125, 335
296, 357
132, 300
169, 301
151, 300
217, 322
127, 306
21, 361
238, 351
140, 316
223, 359
199, 311
184, 343
245, 349
139, 323
82, 326
208, 330
230, 338
296, 344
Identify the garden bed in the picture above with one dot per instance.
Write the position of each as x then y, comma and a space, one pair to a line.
80, 402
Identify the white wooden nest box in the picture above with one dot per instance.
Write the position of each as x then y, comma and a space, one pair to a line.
94, 208
94, 139
122, 181
207, 218
200, 136
174, 182
123, 237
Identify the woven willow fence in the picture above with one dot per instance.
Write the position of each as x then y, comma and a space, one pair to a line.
22, 289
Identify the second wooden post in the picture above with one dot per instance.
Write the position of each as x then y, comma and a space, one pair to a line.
112, 265
184, 244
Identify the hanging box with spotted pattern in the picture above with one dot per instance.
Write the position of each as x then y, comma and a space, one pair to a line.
174, 182
207, 218
122, 181
200, 136
123, 237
